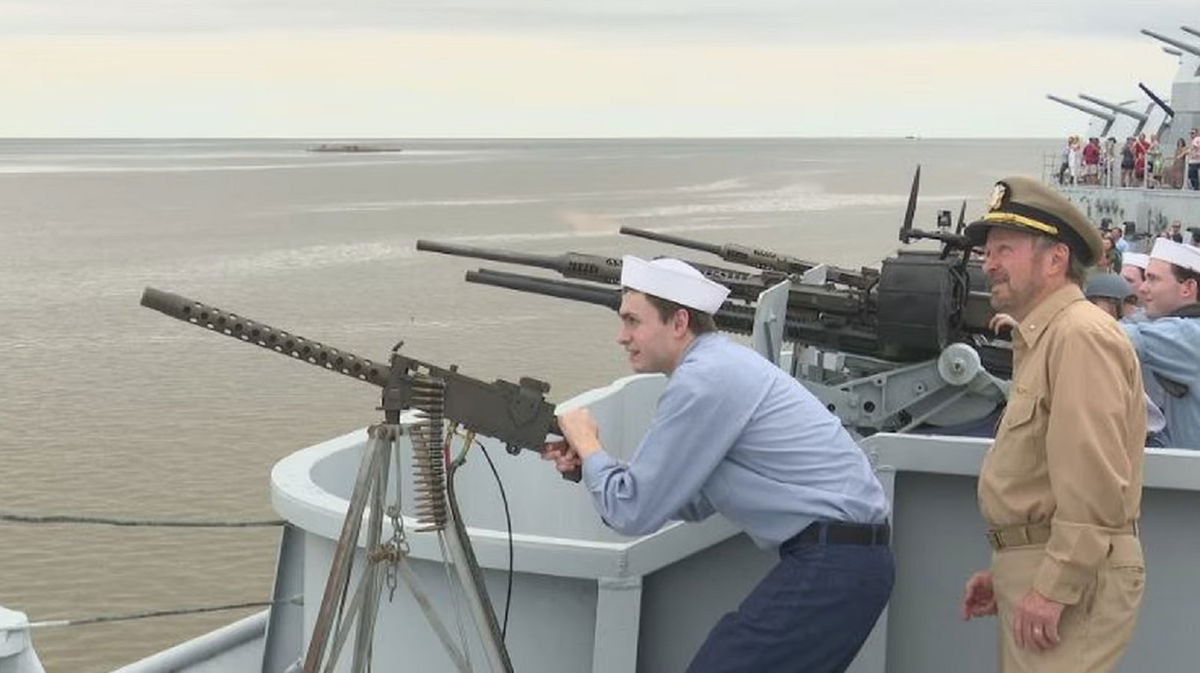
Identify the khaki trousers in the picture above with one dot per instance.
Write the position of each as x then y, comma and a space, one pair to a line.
1093, 633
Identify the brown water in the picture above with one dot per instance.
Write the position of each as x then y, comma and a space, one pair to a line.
109, 409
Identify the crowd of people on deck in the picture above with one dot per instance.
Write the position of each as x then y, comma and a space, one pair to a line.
1140, 162
1154, 296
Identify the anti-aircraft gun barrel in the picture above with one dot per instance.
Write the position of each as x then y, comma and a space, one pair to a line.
551, 287
599, 269
1189, 30
1178, 44
1157, 99
1099, 114
731, 317
762, 259
680, 241
1115, 107
571, 265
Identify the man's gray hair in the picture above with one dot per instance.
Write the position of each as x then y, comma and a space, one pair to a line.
1076, 270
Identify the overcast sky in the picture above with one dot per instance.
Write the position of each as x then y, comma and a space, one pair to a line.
534, 68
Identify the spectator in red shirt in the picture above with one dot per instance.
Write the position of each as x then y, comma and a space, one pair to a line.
1091, 161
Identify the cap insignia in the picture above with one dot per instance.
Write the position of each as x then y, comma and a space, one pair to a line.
998, 195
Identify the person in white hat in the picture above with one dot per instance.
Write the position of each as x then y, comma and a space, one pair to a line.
1169, 344
1133, 269
734, 434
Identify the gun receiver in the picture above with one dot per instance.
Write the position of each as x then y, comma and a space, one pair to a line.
516, 414
762, 259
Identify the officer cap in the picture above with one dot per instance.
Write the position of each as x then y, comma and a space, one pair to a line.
1024, 204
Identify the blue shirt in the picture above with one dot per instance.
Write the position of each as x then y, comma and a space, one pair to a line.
735, 434
1170, 346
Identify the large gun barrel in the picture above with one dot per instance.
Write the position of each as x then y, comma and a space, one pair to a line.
1157, 99
1178, 44
1099, 114
762, 259
1115, 107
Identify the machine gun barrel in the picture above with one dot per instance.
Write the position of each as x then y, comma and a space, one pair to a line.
599, 269
516, 414
589, 294
680, 241
265, 336
571, 265
762, 259
731, 317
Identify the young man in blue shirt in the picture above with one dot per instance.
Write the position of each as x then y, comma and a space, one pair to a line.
735, 435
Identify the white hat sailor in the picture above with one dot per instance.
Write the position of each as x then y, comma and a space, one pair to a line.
1140, 260
1180, 254
673, 280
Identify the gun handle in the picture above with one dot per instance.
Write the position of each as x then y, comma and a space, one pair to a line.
575, 475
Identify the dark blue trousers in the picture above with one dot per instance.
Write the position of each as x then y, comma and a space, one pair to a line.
810, 614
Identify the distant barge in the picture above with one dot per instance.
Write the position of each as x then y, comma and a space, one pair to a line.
353, 147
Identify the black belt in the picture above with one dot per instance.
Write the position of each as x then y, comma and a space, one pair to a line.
836, 532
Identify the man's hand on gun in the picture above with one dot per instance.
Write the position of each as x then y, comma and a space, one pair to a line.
581, 438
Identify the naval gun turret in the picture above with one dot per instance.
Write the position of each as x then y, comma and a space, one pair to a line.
1149, 200
1185, 88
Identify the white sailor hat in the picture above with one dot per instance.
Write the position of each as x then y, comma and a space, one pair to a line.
1179, 254
672, 280
1137, 259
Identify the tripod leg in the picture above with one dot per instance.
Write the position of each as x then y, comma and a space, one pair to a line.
339, 570
470, 576
372, 573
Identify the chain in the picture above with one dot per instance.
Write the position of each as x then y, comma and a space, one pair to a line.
397, 545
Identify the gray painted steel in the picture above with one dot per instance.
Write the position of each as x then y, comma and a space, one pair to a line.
587, 600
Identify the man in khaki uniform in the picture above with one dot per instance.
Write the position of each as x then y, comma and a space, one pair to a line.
1061, 485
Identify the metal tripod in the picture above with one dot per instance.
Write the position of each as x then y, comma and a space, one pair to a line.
387, 560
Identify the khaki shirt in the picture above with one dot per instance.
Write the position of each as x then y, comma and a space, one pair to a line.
1069, 448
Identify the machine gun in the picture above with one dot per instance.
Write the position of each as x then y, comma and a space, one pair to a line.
516, 414
598, 269
862, 279
894, 349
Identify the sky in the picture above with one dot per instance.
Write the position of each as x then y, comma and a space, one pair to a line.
572, 68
